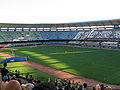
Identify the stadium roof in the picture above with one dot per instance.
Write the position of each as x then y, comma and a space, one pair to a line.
58, 25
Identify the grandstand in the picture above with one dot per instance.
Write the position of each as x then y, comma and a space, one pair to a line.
97, 33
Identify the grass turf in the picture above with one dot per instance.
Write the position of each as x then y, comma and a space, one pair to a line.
38, 75
98, 64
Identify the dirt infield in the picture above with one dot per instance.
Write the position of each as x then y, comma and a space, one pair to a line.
62, 74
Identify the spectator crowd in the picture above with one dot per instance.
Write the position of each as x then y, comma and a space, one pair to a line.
10, 81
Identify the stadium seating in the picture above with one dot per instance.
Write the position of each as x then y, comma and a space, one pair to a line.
75, 35
35, 35
81, 35
19, 35
67, 35
58, 35
108, 34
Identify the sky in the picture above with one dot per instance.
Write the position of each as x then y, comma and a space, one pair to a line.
58, 11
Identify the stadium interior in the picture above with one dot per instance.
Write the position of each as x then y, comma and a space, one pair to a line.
97, 34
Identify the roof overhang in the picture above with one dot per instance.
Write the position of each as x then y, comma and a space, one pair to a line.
77, 24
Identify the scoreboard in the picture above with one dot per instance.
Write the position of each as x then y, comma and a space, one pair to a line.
116, 26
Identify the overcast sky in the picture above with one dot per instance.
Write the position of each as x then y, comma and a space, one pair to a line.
58, 11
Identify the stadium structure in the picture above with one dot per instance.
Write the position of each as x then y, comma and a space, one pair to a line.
102, 34
98, 64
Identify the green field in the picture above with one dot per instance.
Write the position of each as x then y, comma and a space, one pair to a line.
98, 64
38, 75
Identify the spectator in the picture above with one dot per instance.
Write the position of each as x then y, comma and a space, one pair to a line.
65, 82
49, 80
30, 85
63, 85
13, 85
4, 70
94, 88
60, 88
27, 74
58, 85
73, 83
69, 83
58, 80
45, 86
98, 87
67, 88
80, 86
108, 88
85, 85
72, 88
55, 82
34, 82
102, 87
76, 85
31, 77
38, 81
18, 72
4, 82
